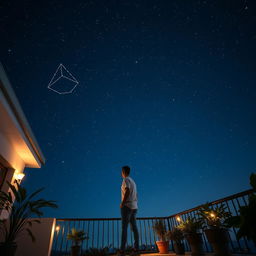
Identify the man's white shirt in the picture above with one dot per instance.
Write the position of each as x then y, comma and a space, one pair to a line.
132, 200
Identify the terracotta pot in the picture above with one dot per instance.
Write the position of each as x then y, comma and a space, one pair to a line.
196, 243
75, 250
163, 246
219, 240
8, 249
178, 247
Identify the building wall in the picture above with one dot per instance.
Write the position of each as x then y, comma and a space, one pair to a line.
43, 233
19, 149
8, 177
10, 156
10, 160
3, 174
5, 188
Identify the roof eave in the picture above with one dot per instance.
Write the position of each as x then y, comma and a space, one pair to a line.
12, 100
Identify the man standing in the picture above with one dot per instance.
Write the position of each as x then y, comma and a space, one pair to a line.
129, 209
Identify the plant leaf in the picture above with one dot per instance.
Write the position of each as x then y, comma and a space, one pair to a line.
253, 181
31, 235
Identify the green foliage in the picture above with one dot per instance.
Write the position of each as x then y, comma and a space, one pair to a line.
253, 181
98, 252
76, 236
214, 218
175, 234
190, 225
160, 229
21, 206
246, 221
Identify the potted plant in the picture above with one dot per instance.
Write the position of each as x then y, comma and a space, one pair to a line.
215, 228
160, 230
246, 221
190, 228
20, 206
177, 236
76, 236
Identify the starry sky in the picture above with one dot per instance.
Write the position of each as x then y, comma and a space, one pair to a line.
167, 87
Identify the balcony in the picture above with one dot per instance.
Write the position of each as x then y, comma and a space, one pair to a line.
106, 232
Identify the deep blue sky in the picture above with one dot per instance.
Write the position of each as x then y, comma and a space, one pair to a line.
167, 87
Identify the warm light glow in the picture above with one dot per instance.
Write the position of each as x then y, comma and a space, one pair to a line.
178, 219
212, 215
19, 176
57, 228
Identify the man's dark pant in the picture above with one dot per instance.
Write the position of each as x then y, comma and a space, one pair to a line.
129, 216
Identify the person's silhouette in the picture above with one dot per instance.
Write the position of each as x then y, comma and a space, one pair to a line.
129, 208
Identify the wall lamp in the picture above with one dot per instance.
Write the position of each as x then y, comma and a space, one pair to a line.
19, 176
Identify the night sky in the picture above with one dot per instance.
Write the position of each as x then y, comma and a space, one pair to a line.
167, 87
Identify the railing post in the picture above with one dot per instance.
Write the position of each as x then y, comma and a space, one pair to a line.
169, 227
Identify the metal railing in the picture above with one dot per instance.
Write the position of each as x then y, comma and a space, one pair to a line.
106, 232
233, 204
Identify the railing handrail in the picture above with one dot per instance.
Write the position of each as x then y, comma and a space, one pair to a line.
102, 219
219, 201
243, 193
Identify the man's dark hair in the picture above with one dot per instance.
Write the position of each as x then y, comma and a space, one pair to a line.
126, 169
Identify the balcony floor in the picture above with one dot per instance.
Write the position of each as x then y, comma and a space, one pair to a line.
188, 254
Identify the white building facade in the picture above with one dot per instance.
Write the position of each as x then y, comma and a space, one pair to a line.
18, 146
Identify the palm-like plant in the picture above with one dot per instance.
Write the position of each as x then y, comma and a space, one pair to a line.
20, 207
175, 234
214, 217
191, 229
246, 221
160, 229
190, 225
76, 236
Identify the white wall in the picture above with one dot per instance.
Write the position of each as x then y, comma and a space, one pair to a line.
44, 233
9, 177
8, 153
